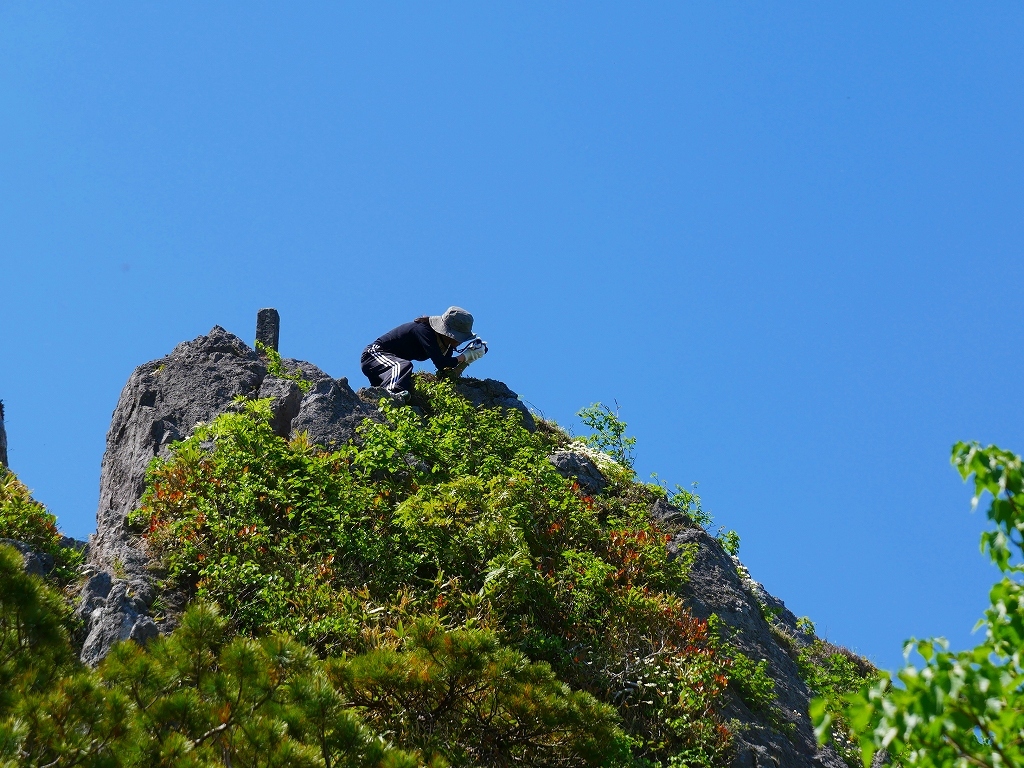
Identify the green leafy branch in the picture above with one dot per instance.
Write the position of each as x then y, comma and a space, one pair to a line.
275, 367
961, 708
609, 433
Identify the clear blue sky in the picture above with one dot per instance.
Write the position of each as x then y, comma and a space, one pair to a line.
785, 237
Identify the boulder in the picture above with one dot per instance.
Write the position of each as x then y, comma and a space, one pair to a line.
490, 393
668, 515
581, 468
330, 411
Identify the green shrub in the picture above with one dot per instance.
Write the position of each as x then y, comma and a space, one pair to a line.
25, 519
275, 367
832, 673
609, 433
455, 517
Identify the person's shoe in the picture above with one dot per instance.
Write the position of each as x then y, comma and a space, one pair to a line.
401, 396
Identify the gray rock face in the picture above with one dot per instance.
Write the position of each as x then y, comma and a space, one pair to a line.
581, 468
36, 563
161, 403
715, 587
113, 610
286, 397
3, 437
330, 411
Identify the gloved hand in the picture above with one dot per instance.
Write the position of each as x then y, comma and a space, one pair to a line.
473, 354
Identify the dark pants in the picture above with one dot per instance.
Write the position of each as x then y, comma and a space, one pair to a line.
386, 370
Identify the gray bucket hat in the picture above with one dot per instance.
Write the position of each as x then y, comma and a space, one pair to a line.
456, 323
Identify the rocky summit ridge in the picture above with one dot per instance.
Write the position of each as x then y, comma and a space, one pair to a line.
165, 399
163, 402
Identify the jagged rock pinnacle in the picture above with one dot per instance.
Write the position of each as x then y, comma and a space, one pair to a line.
268, 328
162, 403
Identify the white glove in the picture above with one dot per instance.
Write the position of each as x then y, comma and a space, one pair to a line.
473, 354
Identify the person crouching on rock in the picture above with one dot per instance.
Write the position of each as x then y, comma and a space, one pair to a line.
386, 362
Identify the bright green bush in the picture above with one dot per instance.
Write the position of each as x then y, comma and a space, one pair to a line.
609, 433
961, 708
456, 518
25, 519
275, 367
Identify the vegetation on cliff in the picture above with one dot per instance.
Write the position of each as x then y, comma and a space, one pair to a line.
454, 516
435, 594
24, 519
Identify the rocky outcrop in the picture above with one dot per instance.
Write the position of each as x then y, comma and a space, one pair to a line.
716, 586
3, 437
162, 402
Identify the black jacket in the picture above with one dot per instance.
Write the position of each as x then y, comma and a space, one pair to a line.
416, 341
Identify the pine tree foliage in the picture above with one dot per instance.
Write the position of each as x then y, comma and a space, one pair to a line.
34, 643
196, 698
202, 697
